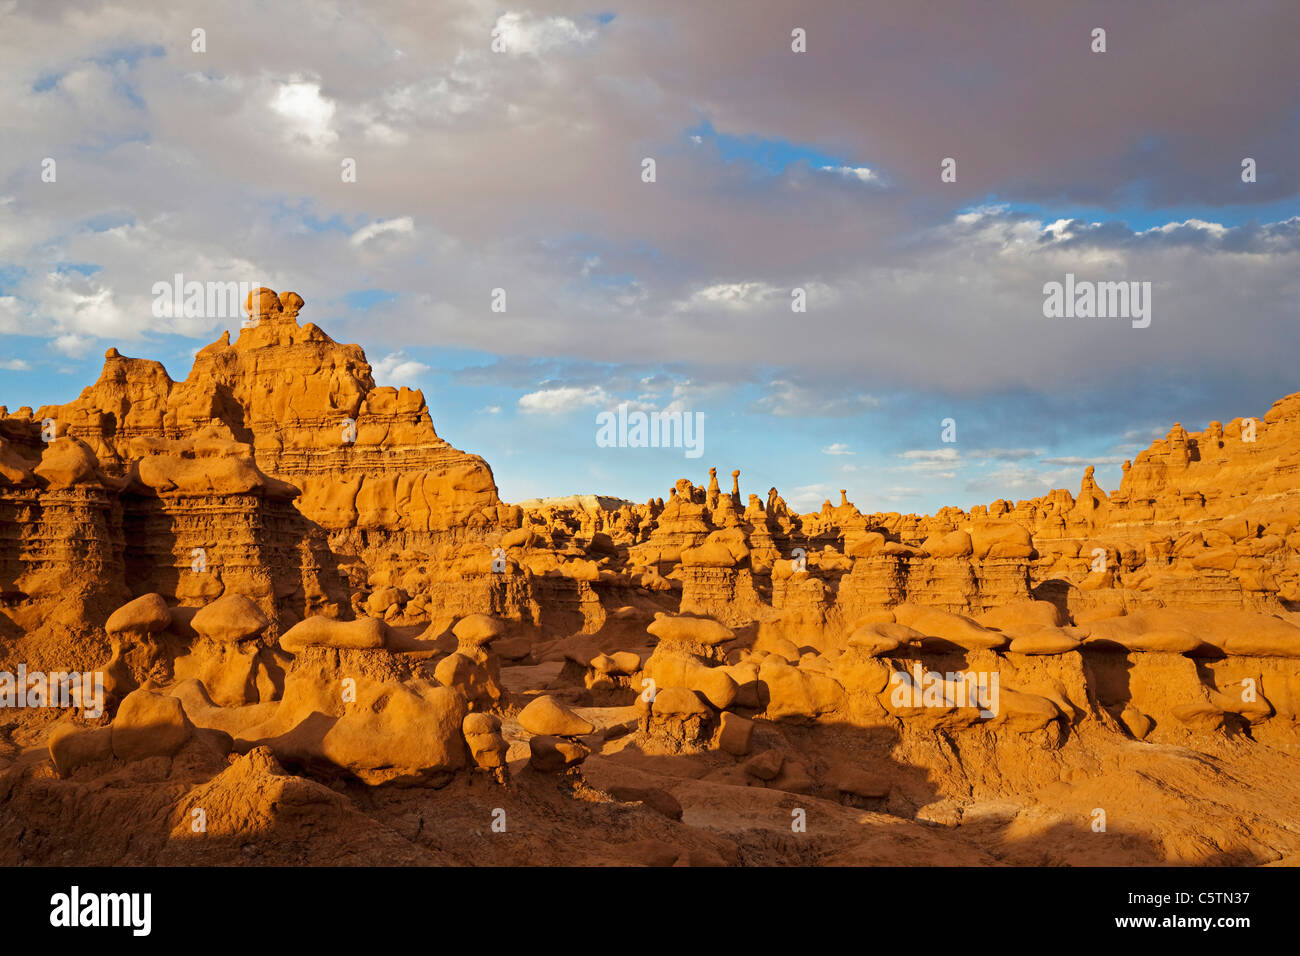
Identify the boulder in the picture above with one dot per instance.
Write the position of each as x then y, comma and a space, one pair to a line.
549, 754
409, 731
1048, 640
735, 734
229, 619
546, 716
679, 702
147, 614
487, 747
765, 766
954, 544
953, 628
363, 633
478, 630
690, 630
149, 725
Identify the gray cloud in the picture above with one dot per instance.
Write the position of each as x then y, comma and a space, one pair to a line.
479, 170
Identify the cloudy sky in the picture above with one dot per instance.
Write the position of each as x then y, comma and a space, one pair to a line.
503, 147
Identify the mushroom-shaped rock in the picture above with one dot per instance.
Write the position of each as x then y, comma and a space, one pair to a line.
953, 628
690, 630
147, 614
546, 716
519, 538
625, 662
477, 630
876, 640
678, 702
1048, 640
1022, 617
1001, 539
1023, 712
291, 302
480, 723
954, 544
363, 633
721, 549
611, 671
1149, 631
229, 619
865, 545
798, 692
601, 543
262, 301
67, 462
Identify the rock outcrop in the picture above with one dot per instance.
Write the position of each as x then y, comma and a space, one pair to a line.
285, 579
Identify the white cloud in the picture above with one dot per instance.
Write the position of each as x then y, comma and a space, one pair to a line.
838, 448
307, 113
524, 33
861, 173
558, 401
931, 454
72, 345
14, 365
1016, 480
396, 369
12, 314
84, 306
786, 399
1213, 228
730, 295
402, 226
932, 462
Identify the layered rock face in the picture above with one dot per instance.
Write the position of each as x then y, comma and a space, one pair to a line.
276, 450
289, 391
292, 586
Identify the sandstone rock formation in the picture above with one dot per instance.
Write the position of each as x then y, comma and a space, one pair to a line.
291, 585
